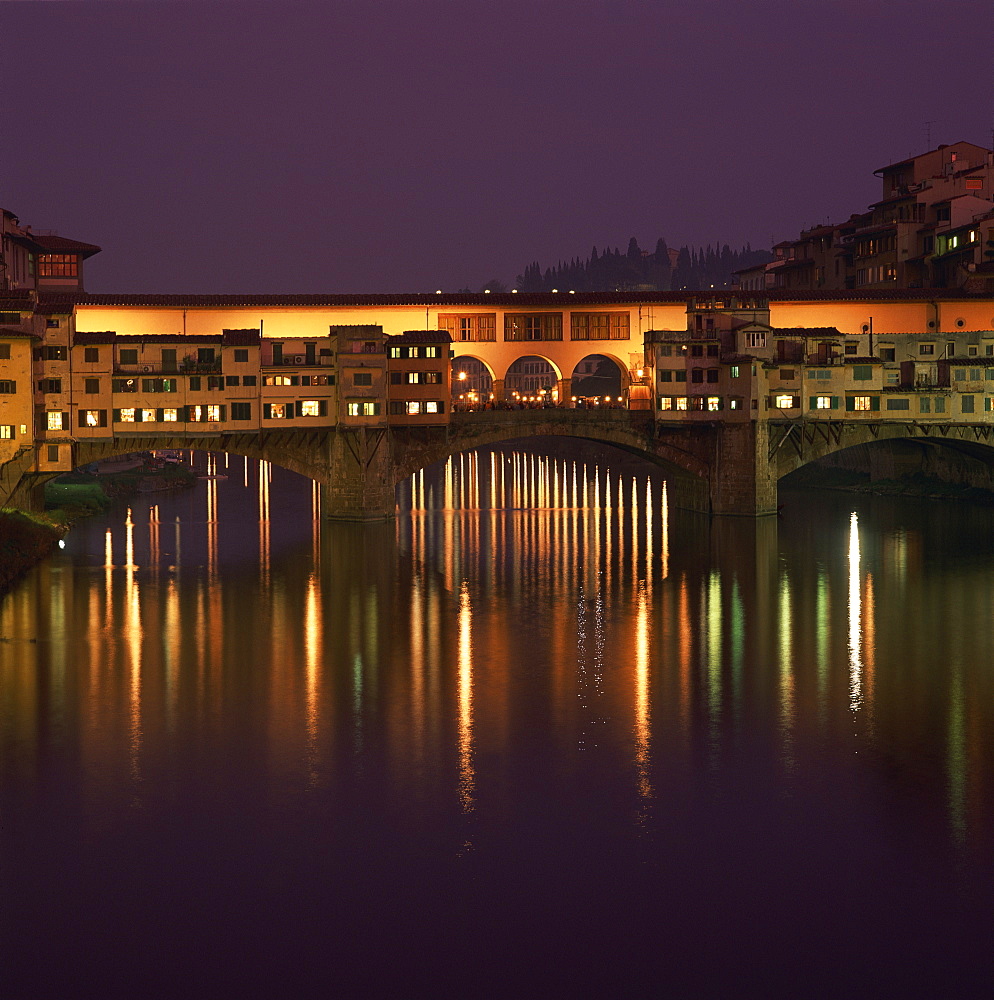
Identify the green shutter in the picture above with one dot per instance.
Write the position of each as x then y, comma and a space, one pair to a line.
874, 402
835, 402
850, 403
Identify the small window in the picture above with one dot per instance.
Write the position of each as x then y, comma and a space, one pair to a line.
7, 432
54, 420
924, 404
241, 356
734, 371
966, 404
886, 353
787, 374
248, 380
926, 348
91, 386
7, 386
852, 347
128, 356
231, 380
241, 411
53, 452
898, 404
205, 355
862, 373
91, 355
362, 378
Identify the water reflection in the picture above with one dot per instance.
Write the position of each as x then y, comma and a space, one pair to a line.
538, 646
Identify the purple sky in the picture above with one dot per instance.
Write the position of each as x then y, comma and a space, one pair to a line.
394, 145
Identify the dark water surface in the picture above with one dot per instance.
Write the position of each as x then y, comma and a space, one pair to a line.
580, 744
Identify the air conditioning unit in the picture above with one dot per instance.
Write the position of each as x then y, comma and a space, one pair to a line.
146, 368
298, 359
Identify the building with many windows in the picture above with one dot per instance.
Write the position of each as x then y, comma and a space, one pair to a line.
933, 227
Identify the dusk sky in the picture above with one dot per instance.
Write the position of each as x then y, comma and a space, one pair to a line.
388, 145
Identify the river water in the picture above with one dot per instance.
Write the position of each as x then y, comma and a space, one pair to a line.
544, 734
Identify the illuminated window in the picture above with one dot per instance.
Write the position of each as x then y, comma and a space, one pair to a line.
128, 415
280, 380
370, 409
310, 408
666, 402
170, 416
861, 402
394, 352
6, 432
279, 411
823, 402
431, 352
58, 265
783, 402
537, 326
353, 409
681, 402
599, 326
478, 326
213, 412
195, 413
92, 418
413, 378
734, 371
413, 408
714, 403
433, 406
755, 340
413, 352
54, 418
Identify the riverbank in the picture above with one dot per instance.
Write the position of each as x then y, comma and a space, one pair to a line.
25, 539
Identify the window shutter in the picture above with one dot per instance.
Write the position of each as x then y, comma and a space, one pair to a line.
117, 416
267, 410
850, 403
835, 402
874, 402
298, 408
811, 402
323, 407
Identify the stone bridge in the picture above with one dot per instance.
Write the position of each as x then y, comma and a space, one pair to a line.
717, 466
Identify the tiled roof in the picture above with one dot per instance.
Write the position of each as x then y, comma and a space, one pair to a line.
422, 337
241, 338
17, 331
505, 300
59, 244
109, 337
806, 331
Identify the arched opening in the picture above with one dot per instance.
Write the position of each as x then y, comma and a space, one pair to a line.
533, 381
472, 383
598, 380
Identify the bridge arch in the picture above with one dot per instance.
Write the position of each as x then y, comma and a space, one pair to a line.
794, 444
